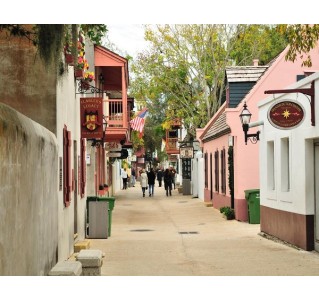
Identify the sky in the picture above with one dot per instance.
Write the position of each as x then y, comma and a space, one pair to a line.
127, 37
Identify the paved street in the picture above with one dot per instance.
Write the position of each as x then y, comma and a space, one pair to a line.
180, 236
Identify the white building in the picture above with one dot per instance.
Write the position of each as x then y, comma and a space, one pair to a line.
289, 164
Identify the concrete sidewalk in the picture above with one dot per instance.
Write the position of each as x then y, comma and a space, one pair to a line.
180, 236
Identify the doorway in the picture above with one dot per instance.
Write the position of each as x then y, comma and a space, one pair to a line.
75, 182
316, 163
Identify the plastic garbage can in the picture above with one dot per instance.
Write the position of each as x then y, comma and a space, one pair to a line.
111, 202
253, 201
97, 218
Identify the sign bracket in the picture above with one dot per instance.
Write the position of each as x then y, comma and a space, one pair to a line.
307, 91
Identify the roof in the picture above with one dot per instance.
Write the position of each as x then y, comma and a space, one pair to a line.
245, 73
218, 128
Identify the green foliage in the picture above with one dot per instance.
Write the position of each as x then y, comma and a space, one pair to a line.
183, 73
50, 39
228, 212
95, 32
262, 42
301, 38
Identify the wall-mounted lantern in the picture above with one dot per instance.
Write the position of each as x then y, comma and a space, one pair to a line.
245, 120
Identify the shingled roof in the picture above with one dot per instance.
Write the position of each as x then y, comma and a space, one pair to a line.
218, 129
245, 73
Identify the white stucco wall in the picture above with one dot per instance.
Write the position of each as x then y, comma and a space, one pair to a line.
28, 196
68, 113
300, 197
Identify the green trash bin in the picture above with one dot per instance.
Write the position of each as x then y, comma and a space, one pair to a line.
100, 213
111, 201
253, 201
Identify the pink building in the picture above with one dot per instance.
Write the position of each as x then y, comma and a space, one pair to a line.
224, 149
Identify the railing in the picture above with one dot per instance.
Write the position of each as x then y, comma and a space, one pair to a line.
113, 112
171, 144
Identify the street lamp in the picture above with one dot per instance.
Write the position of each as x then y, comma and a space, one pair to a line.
245, 119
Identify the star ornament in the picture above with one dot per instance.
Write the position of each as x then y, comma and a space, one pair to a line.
286, 114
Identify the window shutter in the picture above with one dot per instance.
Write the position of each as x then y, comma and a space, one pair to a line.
70, 171
83, 166
223, 170
206, 170
67, 170
217, 171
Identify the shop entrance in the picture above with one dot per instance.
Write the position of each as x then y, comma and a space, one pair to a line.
316, 151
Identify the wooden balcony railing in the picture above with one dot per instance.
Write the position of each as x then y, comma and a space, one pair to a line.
113, 112
171, 146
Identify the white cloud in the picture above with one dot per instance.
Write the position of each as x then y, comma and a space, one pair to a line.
127, 37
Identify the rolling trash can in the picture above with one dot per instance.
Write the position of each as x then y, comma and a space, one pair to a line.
97, 219
253, 202
111, 202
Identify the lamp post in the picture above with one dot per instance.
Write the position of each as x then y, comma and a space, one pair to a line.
245, 119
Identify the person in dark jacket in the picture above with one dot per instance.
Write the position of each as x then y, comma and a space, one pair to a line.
168, 182
151, 182
159, 177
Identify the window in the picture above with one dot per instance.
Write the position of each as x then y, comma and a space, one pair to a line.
285, 168
270, 165
223, 170
67, 170
216, 155
206, 170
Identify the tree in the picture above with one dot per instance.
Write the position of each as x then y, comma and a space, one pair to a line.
257, 41
184, 70
301, 38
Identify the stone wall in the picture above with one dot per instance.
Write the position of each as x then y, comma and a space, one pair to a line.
28, 195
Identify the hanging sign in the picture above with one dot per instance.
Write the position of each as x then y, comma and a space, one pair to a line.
113, 146
286, 114
186, 152
91, 110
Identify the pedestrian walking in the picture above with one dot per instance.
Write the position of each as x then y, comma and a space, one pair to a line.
173, 172
144, 181
151, 182
124, 178
159, 177
168, 182
133, 179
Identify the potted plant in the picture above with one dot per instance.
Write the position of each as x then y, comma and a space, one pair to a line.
228, 212
82, 63
101, 190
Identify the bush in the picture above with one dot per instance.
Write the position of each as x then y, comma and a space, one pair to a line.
228, 212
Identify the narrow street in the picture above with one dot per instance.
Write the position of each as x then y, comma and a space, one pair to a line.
180, 236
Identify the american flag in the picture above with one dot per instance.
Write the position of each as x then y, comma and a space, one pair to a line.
137, 123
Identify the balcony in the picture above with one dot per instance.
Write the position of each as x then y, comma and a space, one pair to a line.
171, 146
117, 124
171, 141
113, 80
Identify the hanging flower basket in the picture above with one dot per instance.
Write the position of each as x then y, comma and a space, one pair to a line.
69, 59
101, 190
78, 73
85, 85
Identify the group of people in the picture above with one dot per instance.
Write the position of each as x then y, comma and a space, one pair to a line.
148, 180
